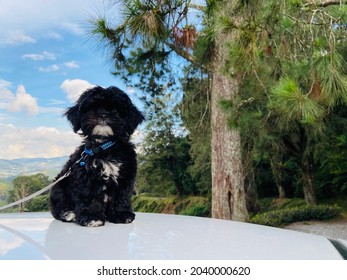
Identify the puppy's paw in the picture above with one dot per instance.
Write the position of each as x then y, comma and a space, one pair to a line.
95, 223
124, 217
68, 216
90, 222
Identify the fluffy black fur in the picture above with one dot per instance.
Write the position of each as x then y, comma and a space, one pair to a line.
99, 189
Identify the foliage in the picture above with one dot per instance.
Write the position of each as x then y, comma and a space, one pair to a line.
3, 190
198, 210
23, 186
164, 172
272, 204
290, 215
340, 201
195, 111
38, 204
164, 158
159, 31
188, 205
291, 60
331, 157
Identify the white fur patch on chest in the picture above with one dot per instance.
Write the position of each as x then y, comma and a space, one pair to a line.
109, 169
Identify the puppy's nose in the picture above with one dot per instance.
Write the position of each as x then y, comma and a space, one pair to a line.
103, 117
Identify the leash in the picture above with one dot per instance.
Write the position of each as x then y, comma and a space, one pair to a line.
81, 162
36, 193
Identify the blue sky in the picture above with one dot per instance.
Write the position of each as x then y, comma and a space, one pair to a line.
46, 61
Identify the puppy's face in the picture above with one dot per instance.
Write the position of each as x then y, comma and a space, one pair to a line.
107, 113
101, 121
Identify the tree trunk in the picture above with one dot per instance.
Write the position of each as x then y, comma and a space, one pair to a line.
307, 162
228, 193
277, 172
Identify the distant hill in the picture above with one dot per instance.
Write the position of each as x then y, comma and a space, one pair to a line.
10, 169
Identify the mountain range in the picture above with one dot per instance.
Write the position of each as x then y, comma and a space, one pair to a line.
10, 169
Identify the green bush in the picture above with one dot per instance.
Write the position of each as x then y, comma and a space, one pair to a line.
148, 204
199, 210
189, 205
38, 204
290, 215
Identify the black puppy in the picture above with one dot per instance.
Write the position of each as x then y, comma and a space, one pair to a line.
103, 169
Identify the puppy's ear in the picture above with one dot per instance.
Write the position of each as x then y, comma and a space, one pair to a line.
73, 115
134, 118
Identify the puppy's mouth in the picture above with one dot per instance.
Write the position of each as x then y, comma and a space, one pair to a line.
102, 130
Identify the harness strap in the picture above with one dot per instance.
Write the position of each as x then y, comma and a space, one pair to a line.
93, 151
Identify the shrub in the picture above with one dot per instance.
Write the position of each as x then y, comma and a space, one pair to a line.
148, 204
38, 204
189, 205
290, 215
199, 210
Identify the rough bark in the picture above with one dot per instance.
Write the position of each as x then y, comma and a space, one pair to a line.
228, 192
307, 179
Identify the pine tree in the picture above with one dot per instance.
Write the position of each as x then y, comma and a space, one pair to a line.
162, 28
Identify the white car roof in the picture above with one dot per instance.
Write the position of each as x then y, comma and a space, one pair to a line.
155, 237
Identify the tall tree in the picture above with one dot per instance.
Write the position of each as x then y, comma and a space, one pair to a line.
161, 28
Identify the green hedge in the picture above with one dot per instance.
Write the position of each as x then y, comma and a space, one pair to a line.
290, 215
189, 205
199, 210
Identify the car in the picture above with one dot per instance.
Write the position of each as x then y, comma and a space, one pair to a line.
38, 236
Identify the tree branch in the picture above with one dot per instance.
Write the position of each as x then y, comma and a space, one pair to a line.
184, 54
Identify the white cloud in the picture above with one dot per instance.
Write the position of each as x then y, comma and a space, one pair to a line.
54, 35
43, 56
72, 64
10, 243
44, 142
4, 83
23, 101
48, 69
56, 102
52, 110
74, 88
5, 94
4, 117
42, 14
73, 28
17, 37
